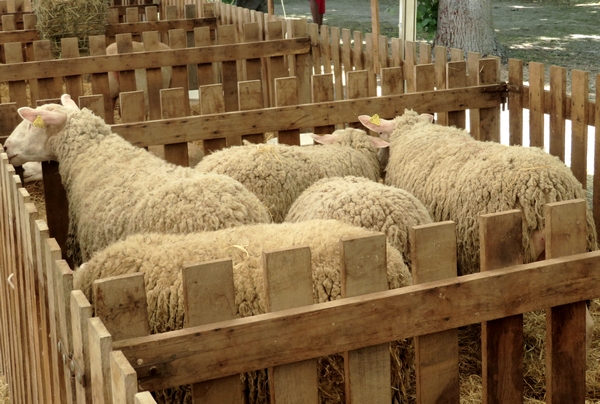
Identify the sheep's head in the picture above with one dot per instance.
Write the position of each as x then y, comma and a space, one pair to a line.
351, 137
29, 140
385, 127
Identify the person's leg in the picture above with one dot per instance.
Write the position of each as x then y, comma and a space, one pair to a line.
314, 11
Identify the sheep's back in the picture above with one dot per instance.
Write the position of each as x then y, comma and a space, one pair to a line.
278, 174
458, 179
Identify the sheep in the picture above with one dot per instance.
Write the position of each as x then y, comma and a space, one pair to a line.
32, 171
459, 178
115, 189
160, 257
140, 74
279, 173
361, 202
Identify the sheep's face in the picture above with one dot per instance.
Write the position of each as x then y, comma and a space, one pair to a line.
29, 140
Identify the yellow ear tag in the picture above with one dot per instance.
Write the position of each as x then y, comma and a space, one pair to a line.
375, 120
39, 122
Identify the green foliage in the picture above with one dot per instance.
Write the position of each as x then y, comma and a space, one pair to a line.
427, 12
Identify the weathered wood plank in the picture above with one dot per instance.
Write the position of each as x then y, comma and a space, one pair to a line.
501, 243
558, 95
566, 324
536, 104
436, 355
515, 101
579, 120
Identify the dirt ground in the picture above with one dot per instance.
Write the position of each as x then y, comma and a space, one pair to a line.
553, 34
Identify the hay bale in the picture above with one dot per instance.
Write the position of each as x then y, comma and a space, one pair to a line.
58, 19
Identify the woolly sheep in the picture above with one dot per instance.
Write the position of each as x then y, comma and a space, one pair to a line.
361, 202
161, 257
459, 178
116, 189
32, 171
279, 173
140, 74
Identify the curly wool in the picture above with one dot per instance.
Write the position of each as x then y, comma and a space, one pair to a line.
365, 203
279, 173
116, 189
160, 257
459, 178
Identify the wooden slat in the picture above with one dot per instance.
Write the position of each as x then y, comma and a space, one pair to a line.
364, 270
180, 74
436, 355
205, 70
515, 101
456, 77
94, 103
357, 87
596, 192
440, 59
206, 285
288, 284
489, 73
154, 79
424, 79
566, 234
162, 26
99, 81
286, 94
251, 97
46, 87
536, 104
120, 301
211, 102
133, 106
173, 104
303, 65
579, 119
227, 35
337, 63
472, 80
81, 312
392, 80
322, 91
275, 65
17, 90
357, 51
558, 96
123, 378
100, 343
410, 60
500, 237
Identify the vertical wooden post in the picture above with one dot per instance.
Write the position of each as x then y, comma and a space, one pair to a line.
500, 237
515, 101
566, 234
433, 257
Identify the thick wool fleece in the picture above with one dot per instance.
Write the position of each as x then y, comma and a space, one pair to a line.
365, 203
161, 257
459, 178
116, 189
278, 174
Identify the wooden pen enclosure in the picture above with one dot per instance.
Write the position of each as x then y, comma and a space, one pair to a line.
254, 75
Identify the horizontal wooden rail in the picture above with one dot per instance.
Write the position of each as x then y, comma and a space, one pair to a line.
226, 348
214, 126
160, 26
146, 60
27, 35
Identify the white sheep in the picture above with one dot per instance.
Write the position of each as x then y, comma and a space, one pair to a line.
32, 171
279, 173
365, 203
160, 257
140, 74
116, 189
459, 178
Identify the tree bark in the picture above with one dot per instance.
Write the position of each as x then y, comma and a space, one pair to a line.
468, 25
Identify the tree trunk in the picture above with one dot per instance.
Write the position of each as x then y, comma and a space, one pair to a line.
468, 25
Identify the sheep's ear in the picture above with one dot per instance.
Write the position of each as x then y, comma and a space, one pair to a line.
47, 117
68, 102
428, 117
385, 127
323, 139
378, 142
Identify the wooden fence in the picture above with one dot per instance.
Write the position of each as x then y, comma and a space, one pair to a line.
309, 79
